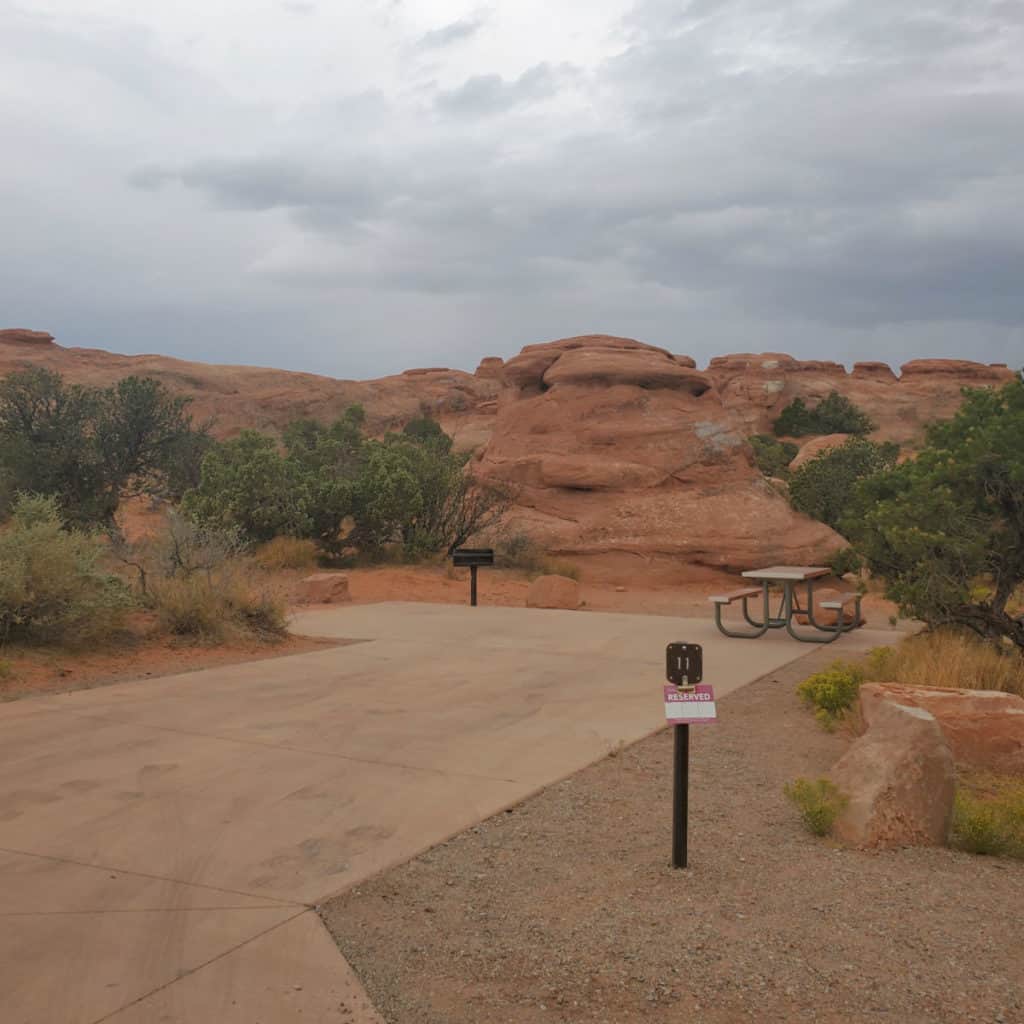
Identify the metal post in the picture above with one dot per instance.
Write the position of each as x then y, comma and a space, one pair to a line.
472, 585
680, 795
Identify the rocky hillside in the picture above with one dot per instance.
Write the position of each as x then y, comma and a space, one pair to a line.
625, 456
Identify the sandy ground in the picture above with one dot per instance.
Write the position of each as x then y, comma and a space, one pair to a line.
29, 672
566, 908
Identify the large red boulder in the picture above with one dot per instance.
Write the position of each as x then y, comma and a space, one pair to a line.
899, 780
984, 728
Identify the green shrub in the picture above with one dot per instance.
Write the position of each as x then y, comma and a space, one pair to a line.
819, 803
832, 692
286, 553
834, 414
843, 561
945, 530
771, 455
52, 589
990, 823
825, 487
91, 447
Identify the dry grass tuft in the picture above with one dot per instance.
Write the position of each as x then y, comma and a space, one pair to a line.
218, 607
949, 658
286, 553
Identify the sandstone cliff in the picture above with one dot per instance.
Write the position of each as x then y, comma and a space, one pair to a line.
624, 456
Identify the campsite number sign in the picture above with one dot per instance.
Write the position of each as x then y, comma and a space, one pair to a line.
688, 701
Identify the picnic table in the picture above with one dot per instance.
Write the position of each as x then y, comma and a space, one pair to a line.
789, 578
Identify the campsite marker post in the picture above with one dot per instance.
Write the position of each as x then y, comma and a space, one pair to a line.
686, 702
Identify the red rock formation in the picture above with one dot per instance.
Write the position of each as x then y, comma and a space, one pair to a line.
756, 388
625, 455
20, 336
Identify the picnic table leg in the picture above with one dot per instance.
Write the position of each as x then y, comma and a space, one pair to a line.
766, 612
830, 633
760, 628
840, 615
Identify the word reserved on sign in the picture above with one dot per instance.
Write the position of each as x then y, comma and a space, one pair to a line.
691, 705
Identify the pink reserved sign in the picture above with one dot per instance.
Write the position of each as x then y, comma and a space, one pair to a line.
689, 706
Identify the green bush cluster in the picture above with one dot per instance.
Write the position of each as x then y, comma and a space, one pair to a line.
834, 414
832, 692
945, 530
52, 588
825, 487
992, 824
771, 455
845, 560
331, 484
89, 448
819, 802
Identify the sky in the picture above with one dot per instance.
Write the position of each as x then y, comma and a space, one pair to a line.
357, 187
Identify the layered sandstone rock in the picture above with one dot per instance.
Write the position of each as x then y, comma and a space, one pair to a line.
899, 781
624, 456
20, 336
756, 388
984, 728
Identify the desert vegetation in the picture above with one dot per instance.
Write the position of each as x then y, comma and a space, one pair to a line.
407, 491
90, 448
771, 455
236, 513
945, 530
818, 801
825, 486
834, 414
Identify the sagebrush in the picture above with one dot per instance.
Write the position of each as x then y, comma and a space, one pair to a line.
832, 692
819, 802
53, 588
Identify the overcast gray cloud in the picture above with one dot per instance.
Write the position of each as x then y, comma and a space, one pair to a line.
835, 180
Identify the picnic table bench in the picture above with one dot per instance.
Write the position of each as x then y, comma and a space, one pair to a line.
789, 577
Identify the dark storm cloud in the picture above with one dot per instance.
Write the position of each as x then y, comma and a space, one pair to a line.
454, 32
866, 169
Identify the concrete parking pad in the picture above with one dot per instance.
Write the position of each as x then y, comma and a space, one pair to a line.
162, 840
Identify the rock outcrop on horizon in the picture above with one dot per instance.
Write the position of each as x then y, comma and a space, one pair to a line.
624, 456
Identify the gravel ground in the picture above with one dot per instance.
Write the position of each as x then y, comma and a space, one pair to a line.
565, 907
